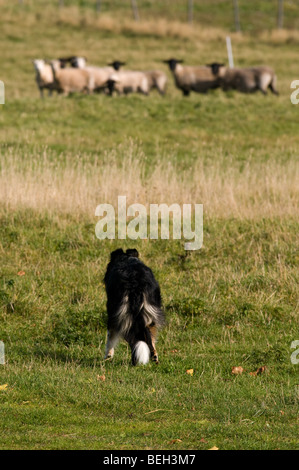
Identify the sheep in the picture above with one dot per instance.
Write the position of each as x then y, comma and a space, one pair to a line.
156, 79
44, 76
128, 81
187, 78
69, 80
245, 80
100, 75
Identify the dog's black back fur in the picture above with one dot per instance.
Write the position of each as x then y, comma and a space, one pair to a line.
133, 297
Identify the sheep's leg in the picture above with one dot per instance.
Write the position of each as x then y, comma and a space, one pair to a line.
272, 86
263, 83
112, 340
186, 92
274, 91
41, 91
263, 91
89, 90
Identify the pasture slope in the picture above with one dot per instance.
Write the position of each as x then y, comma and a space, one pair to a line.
234, 303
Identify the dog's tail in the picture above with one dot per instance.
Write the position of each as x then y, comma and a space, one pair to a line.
141, 353
145, 311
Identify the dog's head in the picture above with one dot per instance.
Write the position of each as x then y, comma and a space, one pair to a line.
132, 252
119, 252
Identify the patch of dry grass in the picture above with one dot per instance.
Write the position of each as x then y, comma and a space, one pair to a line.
117, 23
77, 186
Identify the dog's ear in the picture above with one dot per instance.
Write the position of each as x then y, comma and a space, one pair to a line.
115, 254
132, 252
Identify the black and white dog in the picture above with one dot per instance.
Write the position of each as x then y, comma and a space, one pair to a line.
133, 305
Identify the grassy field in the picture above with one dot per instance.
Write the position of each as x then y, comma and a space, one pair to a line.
255, 15
234, 303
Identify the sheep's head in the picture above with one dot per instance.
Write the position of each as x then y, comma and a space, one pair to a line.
63, 62
116, 64
39, 64
78, 62
217, 69
172, 63
55, 64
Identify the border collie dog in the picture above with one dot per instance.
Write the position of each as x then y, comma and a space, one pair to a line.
133, 306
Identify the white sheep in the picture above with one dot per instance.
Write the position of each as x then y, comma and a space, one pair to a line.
199, 79
128, 81
44, 76
70, 80
100, 75
245, 80
158, 80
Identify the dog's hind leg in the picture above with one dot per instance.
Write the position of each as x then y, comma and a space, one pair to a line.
153, 334
112, 340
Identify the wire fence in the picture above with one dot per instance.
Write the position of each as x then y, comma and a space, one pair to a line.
240, 15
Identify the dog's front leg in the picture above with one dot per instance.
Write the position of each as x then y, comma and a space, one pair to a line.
112, 340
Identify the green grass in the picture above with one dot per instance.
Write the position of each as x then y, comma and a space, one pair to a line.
232, 303
236, 306
232, 308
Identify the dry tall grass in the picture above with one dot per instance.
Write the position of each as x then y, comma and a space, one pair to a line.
77, 186
117, 23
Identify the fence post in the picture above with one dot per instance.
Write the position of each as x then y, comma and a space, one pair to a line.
237, 15
230, 52
190, 11
280, 14
135, 10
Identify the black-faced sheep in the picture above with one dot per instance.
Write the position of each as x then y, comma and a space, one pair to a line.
199, 79
245, 80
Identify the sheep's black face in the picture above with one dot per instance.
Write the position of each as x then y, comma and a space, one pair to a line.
74, 63
63, 63
173, 63
117, 64
215, 66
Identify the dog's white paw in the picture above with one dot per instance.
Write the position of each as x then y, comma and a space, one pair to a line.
109, 355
